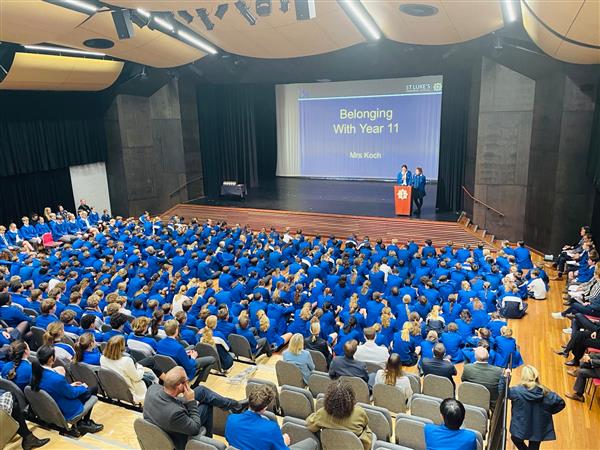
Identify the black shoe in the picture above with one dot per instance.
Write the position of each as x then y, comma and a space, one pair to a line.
30, 441
560, 352
89, 426
240, 407
572, 363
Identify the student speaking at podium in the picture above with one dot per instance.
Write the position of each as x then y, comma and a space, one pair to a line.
418, 185
404, 177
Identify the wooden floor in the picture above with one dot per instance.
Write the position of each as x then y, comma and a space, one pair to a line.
537, 334
342, 226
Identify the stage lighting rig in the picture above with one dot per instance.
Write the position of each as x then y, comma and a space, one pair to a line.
204, 17
263, 7
243, 9
221, 10
185, 16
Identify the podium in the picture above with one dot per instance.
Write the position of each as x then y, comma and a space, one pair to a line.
403, 200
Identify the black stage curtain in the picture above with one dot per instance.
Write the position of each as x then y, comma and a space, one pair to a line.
238, 138
453, 140
593, 165
20, 195
49, 131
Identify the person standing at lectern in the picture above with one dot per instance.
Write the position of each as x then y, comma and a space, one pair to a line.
404, 176
418, 184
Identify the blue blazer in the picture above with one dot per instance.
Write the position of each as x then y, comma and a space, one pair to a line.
418, 183
65, 395
22, 376
408, 179
170, 347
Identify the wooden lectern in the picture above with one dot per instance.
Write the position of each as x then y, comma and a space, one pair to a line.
403, 200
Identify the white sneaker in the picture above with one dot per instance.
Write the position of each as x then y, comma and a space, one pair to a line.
557, 315
567, 330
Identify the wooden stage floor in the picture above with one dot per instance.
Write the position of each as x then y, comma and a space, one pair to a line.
340, 225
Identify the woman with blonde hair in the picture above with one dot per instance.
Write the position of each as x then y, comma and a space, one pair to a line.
296, 355
533, 406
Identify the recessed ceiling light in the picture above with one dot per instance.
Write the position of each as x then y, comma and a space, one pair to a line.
418, 10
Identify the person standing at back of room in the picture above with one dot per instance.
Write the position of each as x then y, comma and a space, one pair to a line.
418, 185
404, 176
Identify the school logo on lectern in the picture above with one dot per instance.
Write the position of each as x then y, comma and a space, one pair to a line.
402, 194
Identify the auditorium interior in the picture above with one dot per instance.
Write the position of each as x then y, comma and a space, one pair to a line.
206, 204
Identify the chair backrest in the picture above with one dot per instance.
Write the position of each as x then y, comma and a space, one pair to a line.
274, 406
85, 373
296, 402
297, 431
415, 382
219, 420
8, 428
382, 445
47, 239
136, 354
37, 338
208, 350
30, 312
151, 437
380, 421
390, 397
288, 373
476, 419
68, 339
361, 389
436, 386
114, 386
142, 347
320, 401
474, 394
319, 360
204, 443
240, 346
318, 382
17, 393
372, 367
164, 363
410, 431
425, 406
340, 439
44, 407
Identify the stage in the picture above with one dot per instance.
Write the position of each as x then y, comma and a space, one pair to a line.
358, 198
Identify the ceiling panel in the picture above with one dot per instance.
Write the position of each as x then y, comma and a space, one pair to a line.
586, 26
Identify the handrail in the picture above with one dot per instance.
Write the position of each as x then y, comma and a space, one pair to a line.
185, 185
476, 200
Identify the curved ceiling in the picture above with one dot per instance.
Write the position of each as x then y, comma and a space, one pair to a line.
565, 30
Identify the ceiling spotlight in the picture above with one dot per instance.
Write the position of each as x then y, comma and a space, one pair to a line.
263, 7
186, 16
305, 9
284, 5
203, 14
164, 24
140, 17
145, 14
361, 18
221, 10
509, 11
197, 42
70, 51
242, 7
87, 7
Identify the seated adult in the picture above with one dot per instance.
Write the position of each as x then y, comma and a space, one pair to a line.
450, 436
589, 368
72, 399
347, 366
9, 404
136, 376
370, 352
393, 375
296, 355
251, 430
182, 418
340, 411
188, 359
480, 372
317, 343
18, 369
439, 364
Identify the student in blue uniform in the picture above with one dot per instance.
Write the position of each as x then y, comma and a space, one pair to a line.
450, 436
418, 184
72, 399
404, 177
18, 370
86, 350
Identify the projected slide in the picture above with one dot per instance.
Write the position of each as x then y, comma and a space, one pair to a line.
369, 135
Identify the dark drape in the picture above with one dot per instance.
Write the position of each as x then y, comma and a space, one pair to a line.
593, 165
20, 195
49, 131
453, 139
237, 134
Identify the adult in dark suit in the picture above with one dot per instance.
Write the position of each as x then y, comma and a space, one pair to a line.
347, 366
439, 365
589, 368
480, 372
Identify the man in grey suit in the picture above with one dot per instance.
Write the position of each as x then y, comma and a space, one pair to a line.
480, 372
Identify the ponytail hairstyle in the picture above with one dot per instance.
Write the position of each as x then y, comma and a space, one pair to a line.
386, 314
305, 313
406, 328
452, 302
44, 354
157, 318
17, 352
207, 332
85, 342
353, 303
54, 333
263, 321
315, 330
365, 287
349, 326
465, 316
434, 314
